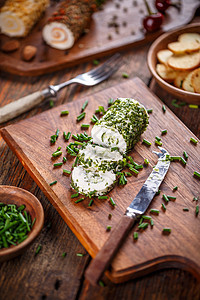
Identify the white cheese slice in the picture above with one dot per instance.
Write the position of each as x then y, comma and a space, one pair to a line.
88, 180
108, 137
101, 158
58, 35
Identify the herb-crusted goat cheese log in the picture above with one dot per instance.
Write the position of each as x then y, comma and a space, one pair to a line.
122, 125
17, 17
87, 180
100, 158
67, 24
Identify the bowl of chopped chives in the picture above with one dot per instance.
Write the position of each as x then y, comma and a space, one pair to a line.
21, 220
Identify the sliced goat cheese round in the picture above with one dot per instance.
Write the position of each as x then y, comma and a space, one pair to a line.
86, 180
18, 17
68, 22
100, 158
122, 125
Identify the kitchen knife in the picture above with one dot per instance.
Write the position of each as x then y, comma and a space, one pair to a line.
136, 209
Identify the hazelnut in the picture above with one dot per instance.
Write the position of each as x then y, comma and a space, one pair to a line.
29, 52
10, 46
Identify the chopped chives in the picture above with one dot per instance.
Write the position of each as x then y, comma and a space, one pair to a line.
85, 126
66, 172
147, 217
58, 164
185, 209
175, 158
80, 254
175, 188
39, 247
95, 62
128, 174
101, 283
67, 136
166, 230
59, 148
51, 103
79, 143
197, 174
102, 197
64, 254
144, 141
165, 197
52, 183
74, 137
56, 153
154, 211
81, 116
112, 202
125, 75
183, 161
70, 151
151, 222
79, 200
141, 220
158, 138
64, 112
195, 198
108, 228
75, 195
158, 192
84, 105
185, 155
163, 206
150, 110
164, 131
143, 225
146, 161
171, 197
197, 210
122, 179
193, 106
193, 140
94, 119
110, 101
114, 148
91, 202
158, 143
64, 159
164, 108
138, 167
135, 235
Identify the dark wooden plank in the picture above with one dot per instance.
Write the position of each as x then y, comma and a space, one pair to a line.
96, 43
23, 140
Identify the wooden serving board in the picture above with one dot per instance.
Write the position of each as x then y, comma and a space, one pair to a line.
105, 36
30, 141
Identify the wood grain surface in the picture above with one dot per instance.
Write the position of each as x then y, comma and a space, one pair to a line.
30, 142
117, 27
49, 275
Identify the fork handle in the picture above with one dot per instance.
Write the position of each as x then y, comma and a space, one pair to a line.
22, 105
103, 258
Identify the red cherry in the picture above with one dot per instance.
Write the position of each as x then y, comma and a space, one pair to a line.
153, 22
162, 5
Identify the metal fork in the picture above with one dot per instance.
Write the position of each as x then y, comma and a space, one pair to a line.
90, 78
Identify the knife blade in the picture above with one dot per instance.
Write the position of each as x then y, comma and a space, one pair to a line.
136, 209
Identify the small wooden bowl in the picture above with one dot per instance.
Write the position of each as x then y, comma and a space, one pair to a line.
161, 43
18, 196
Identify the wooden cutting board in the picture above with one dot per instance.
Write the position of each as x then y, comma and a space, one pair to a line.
117, 27
30, 141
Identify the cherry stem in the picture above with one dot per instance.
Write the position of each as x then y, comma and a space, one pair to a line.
148, 8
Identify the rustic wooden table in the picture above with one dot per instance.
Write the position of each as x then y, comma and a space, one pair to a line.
49, 275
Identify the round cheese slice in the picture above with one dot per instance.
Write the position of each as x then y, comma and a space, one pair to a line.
58, 35
85, 181
101, 158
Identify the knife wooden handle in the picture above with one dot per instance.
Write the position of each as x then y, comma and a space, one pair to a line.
20, 106
103, 258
